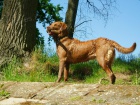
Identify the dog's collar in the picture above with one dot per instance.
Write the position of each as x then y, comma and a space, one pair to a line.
61, 38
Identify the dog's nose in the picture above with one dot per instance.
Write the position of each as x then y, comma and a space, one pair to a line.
48, 28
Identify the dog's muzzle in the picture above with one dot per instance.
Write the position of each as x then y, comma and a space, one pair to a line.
49, 30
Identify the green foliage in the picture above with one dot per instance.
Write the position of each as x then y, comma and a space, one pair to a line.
47, 12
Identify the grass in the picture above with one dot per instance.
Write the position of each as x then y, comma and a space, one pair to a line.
43, 67
3, 93
37, 68
75, 98
99, 101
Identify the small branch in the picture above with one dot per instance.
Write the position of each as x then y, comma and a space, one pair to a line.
82, 23
90, 3
104, 9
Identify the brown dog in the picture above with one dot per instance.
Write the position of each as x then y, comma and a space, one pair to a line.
71, 50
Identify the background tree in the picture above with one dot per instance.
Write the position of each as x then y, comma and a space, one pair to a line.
99, 7
1, 6
71, 15
18, 28
18, 33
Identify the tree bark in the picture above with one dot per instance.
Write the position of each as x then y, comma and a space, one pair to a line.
18, 28
71, 16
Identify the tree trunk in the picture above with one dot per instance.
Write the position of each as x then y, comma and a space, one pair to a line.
18, 28
71, 16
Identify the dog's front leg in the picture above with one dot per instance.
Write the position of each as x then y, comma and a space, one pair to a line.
66, 72
61, 69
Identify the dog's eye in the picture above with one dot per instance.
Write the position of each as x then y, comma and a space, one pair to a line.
57, 25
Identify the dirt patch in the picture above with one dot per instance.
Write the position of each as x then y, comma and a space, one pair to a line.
42, 93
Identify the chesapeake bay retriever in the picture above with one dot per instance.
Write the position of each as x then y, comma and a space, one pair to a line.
71, 50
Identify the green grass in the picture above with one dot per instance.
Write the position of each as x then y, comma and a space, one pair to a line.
75, 98
43, 67
15, 73
3, 93
38, 68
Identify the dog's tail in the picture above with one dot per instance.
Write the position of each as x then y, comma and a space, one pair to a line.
123, 49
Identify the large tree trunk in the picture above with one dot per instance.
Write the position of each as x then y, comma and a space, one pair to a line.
71, 15
18, 28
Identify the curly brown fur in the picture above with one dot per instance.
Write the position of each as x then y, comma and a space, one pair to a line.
71, 50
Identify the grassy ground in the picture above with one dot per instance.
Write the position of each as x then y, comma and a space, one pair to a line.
44, 67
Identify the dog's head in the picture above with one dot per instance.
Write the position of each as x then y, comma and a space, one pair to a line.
57, 29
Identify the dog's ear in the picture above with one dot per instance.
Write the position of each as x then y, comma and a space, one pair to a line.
64, 31
64, 26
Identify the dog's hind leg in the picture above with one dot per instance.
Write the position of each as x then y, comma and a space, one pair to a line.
66, 72
108, 71
109, 60
112, 76
106, 64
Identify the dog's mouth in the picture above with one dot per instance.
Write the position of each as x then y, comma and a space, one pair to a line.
49, 32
